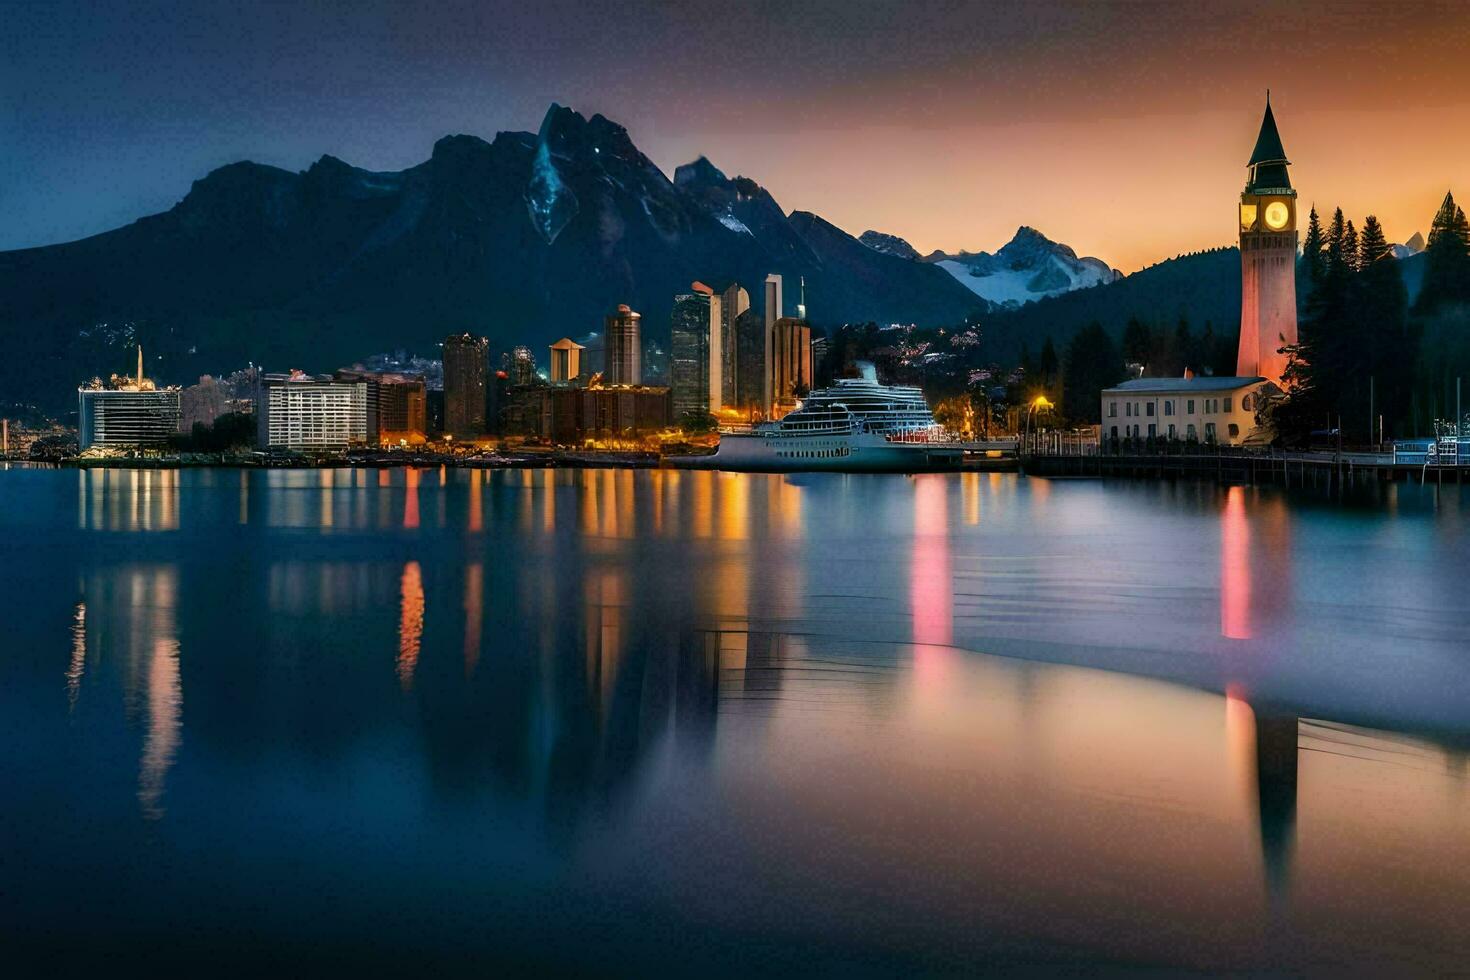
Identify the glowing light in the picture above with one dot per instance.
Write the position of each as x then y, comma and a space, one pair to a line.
411, 498
931, 585
78, 665
1235, 572
410, 622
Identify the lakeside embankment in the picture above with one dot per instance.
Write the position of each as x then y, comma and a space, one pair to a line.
1297, 469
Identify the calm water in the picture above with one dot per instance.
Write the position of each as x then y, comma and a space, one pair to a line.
660, 721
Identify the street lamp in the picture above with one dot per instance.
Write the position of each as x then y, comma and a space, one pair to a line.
1038, 402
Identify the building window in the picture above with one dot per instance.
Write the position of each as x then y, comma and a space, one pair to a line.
1191, 433
1234, 430
1149, 409
1189, 408
1227, 403
1168, 407
1171, 430
1246, 403
1209, 432
1153, 430
1112, 410
1115, 432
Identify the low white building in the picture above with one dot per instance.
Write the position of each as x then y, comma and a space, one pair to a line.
296, 411
1213, 411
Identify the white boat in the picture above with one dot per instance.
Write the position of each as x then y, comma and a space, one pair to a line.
855, 426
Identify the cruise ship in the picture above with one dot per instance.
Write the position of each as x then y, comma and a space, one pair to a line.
855, 426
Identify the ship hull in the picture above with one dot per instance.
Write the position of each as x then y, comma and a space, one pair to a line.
854, 453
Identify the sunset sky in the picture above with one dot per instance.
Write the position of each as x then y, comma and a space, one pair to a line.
1119, 128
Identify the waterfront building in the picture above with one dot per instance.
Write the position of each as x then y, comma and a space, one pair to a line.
694, 370
566, 361
734, 301
750, 364
397, 405
1213, 411
466, 381
1222, 410
790, 365
126, 412
570, 415
773, 312
623, 343
299, 411
1268, 249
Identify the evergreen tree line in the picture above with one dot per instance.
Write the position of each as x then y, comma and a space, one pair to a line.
1092, 362
1441, 319
1353, 363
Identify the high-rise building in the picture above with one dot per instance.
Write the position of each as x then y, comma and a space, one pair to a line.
751, 339
624, 347
773, 312
791, 363
466, 381
397, 405
127, 412
695, 352
522, 366
566, 360
1268, 241
733, 302
298, 411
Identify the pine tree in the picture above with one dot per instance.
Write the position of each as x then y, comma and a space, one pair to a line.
1350, 248
1092, 364
1138, 342
1446, 260
1372, 245
1313, 250
1049, 367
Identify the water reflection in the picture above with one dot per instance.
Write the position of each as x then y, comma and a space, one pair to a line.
678, 699
410, 623
128, 500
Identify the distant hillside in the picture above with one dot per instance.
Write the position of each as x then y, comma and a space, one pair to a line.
1202, 286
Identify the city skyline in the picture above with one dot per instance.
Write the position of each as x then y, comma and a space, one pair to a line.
942, 126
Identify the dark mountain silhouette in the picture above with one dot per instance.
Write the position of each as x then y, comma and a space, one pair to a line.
524, 239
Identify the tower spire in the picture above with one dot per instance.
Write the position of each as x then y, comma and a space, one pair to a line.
140, 364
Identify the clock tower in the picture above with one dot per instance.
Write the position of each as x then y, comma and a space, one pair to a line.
1268, 242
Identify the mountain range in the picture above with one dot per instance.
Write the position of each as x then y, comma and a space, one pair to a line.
525, 238
1027, 268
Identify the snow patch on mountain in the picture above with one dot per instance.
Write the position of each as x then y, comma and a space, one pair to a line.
888, 244
1028, 267
734, 223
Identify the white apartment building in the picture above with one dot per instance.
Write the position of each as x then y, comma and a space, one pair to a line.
296, 411
1217, 411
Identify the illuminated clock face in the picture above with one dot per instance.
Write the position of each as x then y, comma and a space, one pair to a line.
1247, 217
1276, 215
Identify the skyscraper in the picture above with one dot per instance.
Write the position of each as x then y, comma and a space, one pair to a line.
733, 302
695, 366
624, 346
566, 360
1268, 241
773, 312
466, 376
522, 366
750, 364
791, 363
